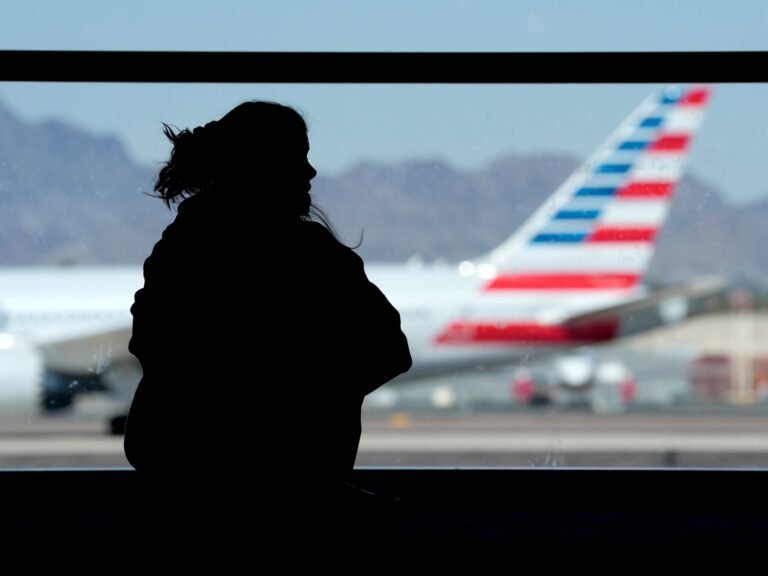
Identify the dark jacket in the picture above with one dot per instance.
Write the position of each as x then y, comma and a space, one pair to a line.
258, 341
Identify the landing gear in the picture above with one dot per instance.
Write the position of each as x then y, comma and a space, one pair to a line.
117, 425
59, 389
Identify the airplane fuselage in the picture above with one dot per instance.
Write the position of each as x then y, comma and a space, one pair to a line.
46, 304
455, 323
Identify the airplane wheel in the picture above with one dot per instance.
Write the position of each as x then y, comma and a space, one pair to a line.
117, 425
540, 400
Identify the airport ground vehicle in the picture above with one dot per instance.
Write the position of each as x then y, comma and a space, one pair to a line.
577, 378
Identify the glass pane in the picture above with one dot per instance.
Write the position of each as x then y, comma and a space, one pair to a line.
618, 322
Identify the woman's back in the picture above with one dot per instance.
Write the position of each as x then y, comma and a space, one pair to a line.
258, 343
258, 333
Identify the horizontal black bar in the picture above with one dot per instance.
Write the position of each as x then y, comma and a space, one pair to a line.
383, 67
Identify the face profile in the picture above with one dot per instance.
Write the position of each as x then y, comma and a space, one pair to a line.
257, 146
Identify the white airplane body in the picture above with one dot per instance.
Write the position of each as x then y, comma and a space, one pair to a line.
449, 326
570, 275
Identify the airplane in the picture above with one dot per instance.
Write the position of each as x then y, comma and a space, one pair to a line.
571, 275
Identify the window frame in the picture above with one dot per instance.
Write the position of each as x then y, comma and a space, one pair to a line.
565, 505
384, 67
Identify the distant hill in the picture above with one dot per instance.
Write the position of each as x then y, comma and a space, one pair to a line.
68, 196
428, 208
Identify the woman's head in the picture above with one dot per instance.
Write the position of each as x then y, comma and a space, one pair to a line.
256, 148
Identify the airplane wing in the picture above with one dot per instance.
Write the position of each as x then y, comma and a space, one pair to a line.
89, 352
658, 308
97, 360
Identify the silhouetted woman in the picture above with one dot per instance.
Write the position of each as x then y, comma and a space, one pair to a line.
258, 332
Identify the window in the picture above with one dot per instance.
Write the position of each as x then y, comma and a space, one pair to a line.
438, 158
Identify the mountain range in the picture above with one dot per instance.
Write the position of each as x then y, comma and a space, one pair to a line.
71, 197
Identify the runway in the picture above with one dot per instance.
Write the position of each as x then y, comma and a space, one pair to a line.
455, 440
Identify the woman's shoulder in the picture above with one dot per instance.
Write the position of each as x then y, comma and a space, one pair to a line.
311, 227
319, 239
319, 234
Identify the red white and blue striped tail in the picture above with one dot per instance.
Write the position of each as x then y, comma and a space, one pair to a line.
596, 233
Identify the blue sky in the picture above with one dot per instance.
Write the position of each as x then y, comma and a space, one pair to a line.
465, 125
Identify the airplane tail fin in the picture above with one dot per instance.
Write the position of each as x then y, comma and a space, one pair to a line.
597, 231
